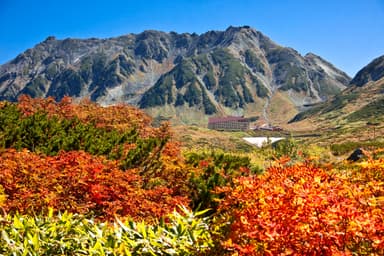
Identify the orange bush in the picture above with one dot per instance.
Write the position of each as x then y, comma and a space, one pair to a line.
122, 116
78, 182
303, 210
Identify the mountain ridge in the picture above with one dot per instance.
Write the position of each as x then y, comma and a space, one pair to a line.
371, 72
355, 109
236, 71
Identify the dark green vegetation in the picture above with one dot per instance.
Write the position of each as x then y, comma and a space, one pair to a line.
347, 147
231, 80
295, 78
95, 70
159, 95
49, 135
335, 104
230, 88
68, 83
35, 88
189, 90
254, 62
219, 169
373, 110
288, 76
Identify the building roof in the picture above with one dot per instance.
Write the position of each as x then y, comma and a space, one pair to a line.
213, 120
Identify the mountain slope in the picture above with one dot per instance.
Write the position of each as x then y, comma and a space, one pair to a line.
182, 76
356, 107
372, 72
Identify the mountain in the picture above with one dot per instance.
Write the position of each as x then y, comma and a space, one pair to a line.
372, 72
357, 107
186, 77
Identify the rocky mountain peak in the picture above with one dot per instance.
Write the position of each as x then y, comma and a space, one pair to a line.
232, 32
245, 37
237, 71
50, 38
374, 71
326, 67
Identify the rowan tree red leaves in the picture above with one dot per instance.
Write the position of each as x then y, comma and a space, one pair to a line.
78, 182
302, 210
121, 117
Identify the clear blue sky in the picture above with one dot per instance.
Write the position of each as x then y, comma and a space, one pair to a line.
348, 33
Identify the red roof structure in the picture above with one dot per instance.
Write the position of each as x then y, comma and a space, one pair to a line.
229, 123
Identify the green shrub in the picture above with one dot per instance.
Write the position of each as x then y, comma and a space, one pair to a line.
218, 169
349, 146
287, 147
374, 109
48, 135
184, 233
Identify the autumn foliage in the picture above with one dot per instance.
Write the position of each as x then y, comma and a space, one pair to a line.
120, 116
304, 210
79, 182
108, 162
87, 159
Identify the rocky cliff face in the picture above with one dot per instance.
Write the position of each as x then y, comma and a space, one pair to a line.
372, 72
183, 76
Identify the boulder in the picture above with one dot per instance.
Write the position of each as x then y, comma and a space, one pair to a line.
357, 155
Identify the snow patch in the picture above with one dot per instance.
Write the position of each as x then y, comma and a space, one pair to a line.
261, 141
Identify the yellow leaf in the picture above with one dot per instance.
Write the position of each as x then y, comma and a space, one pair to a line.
244, 220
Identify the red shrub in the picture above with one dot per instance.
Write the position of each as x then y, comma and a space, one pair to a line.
78, 182
302, 210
